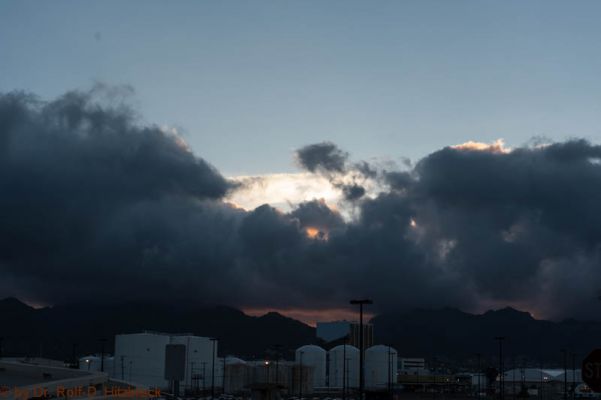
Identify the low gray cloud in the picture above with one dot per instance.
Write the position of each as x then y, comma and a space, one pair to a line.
97, 206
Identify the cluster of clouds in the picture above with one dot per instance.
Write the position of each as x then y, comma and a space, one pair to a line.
96, 206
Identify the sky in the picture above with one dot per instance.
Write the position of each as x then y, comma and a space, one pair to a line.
249, 82
290, 155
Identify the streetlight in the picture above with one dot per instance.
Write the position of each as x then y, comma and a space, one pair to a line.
300, 372
224, 368
267, 374
501, 373
389, 371
191, 375
479, 373
344, 367
361, 303
565, 373
213, 369
542, 381
573, 376
204, 378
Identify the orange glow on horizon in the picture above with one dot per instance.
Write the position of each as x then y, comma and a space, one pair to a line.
311, 317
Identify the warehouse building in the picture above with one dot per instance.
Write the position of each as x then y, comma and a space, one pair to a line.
140, 358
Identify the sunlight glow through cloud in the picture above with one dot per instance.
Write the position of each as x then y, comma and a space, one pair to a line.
282, 191
498, 146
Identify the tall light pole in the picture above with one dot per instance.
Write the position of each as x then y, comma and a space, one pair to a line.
191, 375
479, 373
501, 372
204, 378
565, 373
542, 381
361, 303
389, 371
573, 376
300, 373
344, 368
224, 357
213, 370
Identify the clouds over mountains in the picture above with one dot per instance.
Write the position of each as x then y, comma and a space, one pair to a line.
97, 206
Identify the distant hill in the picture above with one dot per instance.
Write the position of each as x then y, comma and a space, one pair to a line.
455, 335
444, 336
51, 332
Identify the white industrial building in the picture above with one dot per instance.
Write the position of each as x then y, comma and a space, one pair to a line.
140, 358
339, 371
314, 357
409, 365
199, 359
380, 367
546, 375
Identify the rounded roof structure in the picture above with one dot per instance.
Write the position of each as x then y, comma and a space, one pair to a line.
311, 348
231, 360
90, 358
349, 347
380, 348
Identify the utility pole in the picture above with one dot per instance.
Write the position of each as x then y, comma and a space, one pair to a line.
565, 373
542, 381
204, 377
74, 359
344, 368
300, 381
102, 342
573, 376
361, 303
122, 368
500, 339
513, 378
224, 357
191, 375
213, 370
389, 372
479, 356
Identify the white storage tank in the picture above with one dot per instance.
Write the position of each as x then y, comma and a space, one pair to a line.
380, 367
315, 358
337, 372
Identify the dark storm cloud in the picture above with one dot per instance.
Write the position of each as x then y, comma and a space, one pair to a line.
317, 214
330, 161
96, 206
325, 156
